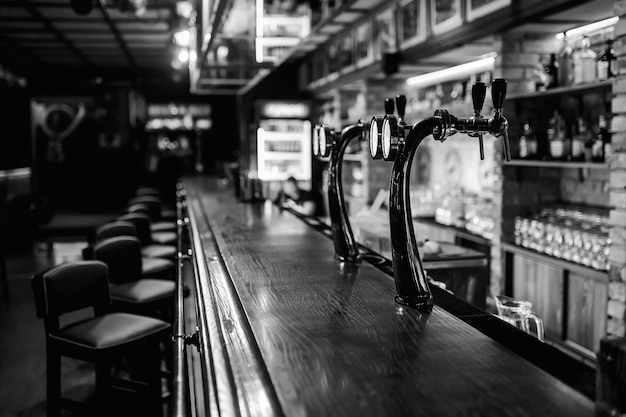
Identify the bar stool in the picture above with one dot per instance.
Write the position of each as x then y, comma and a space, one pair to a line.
131, 290
145, 234
125, 228
105, 338
166, 212
159, 224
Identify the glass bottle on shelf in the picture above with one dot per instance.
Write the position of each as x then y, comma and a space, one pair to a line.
552, 72
606, 62
539, 77
597, 150
605, 136
566, 64
528, 142
588, 152
556, 136
578, 141
584, 63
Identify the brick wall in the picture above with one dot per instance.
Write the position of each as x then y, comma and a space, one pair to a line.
617, 184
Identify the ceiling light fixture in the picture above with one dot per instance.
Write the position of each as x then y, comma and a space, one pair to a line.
601, 24
184, 9
183, 55
182, 37
454, 73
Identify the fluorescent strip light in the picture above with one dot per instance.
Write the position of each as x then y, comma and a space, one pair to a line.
259, 18
453, 73
602, 24
258, 47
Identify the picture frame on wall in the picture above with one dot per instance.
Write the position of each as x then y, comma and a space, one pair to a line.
332, 58
479, 8
346, 52
445, 15
364, 48
412, 22
385, 40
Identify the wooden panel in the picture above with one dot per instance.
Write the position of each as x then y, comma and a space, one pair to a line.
586, 311
542, 285
334, 342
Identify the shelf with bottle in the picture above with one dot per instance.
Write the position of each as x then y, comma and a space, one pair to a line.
569, 89
565, 145
572, 70
556, 164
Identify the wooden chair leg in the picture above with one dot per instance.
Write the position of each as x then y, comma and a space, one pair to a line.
53, 383
104, 386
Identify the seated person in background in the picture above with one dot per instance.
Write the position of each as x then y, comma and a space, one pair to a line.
295, 198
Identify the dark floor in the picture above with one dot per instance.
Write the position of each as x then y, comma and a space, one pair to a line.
22, 341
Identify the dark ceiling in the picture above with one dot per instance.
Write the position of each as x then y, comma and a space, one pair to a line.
46, 41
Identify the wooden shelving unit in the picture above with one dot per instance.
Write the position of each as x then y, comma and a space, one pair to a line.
556, 164
562, 90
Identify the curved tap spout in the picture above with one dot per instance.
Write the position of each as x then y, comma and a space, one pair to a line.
411, 283
346, 248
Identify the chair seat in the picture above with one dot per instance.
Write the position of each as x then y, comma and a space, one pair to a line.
156, 267
111, 330
159, 251
163, 226
168, 213
143, 291
164, 238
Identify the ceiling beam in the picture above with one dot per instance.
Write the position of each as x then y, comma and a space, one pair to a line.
12, 43
56, 32
117, 35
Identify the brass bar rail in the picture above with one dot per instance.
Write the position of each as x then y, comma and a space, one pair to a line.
179, 404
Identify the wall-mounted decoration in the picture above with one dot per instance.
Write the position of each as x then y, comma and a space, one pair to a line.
445, 15
364, 44
319, 66
412, 22
478, 8
385, 39
332, 57
346, 51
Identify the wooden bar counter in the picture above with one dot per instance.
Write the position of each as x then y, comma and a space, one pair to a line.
289, 331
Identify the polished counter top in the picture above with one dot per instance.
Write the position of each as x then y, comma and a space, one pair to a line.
303, 335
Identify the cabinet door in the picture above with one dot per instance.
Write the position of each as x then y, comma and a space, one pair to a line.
542, 285
586, 311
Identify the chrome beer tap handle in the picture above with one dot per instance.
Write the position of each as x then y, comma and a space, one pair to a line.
479, 91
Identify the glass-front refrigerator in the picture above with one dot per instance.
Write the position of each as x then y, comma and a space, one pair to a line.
283, 140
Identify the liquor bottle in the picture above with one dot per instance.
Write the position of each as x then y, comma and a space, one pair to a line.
556, 136
589, 147
597, 151
584, 63
529, 142
605, 137
606, 62
539, 77
566, 64
578, 141
552, 72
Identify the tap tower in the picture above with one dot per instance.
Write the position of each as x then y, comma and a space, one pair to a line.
392, 139
325, 144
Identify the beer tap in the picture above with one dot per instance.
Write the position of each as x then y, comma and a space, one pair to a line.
392, 139
326, 143
477, 125
479, 90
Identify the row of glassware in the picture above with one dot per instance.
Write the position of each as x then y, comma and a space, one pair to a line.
567, 233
